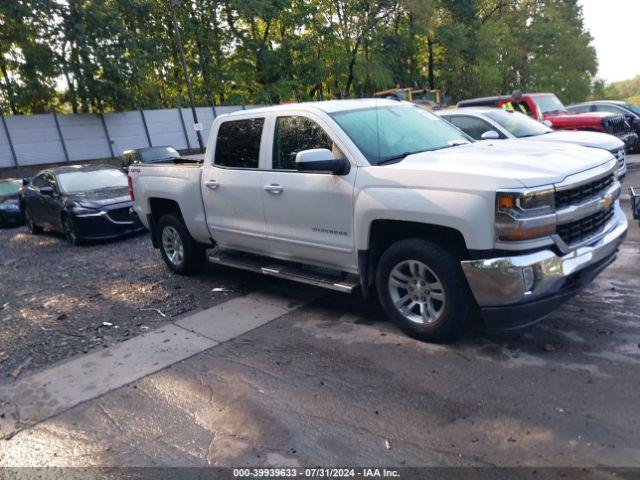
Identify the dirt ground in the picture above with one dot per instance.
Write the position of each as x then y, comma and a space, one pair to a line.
57, 301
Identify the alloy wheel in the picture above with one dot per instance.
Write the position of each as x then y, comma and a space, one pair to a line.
172, 245
417, 292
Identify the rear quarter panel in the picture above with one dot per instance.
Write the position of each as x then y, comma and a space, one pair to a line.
179, 183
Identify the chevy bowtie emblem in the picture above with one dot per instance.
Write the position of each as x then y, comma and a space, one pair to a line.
607, 201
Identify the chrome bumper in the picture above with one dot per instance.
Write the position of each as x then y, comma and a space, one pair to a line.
526, 278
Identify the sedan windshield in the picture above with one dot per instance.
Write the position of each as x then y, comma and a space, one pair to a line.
90, 180
549, 104
392, 132
518, 124
634, 108
9, 188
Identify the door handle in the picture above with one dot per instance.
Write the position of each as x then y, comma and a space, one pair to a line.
273, 188
212, 184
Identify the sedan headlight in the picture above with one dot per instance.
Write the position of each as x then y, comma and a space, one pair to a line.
86, 212
525, 214
12, 207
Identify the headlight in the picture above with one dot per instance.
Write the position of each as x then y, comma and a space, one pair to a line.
9, 206
86, 212
525, 214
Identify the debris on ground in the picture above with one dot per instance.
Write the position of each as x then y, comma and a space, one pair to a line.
387, 445
549, 348
18, 370
221, 290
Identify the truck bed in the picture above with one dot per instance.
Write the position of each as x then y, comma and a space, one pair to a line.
178, 183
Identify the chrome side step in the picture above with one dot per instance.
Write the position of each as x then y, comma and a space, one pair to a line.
318, 277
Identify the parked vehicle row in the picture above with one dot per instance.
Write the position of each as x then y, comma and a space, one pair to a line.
546, 107
82, 202
486, 123
388, 198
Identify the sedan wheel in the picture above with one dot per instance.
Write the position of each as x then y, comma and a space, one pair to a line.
70, 231
172, 245
417, 292
31, 226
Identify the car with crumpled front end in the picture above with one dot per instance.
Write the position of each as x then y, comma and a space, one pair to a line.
84, 202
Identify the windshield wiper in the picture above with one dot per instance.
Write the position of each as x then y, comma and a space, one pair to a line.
397, 158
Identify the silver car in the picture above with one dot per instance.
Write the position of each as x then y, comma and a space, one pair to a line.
486, 123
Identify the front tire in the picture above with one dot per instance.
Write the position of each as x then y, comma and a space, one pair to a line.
31, 225
70, 231
179, 250
422, 288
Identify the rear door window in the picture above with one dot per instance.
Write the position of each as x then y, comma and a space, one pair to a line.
238, 143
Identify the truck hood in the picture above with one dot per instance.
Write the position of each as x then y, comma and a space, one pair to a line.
532, 163
579, 137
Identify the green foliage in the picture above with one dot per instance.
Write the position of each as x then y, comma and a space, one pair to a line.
90, 55
628, 90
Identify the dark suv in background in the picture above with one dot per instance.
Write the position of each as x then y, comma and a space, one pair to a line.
630, 111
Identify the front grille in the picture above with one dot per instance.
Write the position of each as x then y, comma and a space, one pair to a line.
575, 232
577, 195
615, 125
120, 215
620, 156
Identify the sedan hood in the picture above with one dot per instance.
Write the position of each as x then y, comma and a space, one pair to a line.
532, 163
586, 139
100, 198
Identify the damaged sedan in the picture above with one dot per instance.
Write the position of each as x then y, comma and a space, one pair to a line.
82, 202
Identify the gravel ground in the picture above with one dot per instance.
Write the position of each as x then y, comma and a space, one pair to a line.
57, 301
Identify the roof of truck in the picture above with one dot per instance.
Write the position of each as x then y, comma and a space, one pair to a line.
328, 106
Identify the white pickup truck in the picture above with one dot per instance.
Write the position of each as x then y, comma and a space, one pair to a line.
385, 197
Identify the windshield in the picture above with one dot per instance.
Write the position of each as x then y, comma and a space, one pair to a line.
10, 188
158, 153
549, 104
87, 181
634, 108
391, 132
518, 123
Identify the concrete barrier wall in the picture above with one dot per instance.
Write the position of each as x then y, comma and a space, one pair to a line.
57, 138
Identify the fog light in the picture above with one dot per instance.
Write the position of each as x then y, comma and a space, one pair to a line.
528, 278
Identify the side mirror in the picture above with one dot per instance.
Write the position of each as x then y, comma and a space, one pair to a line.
25, 182
490, 135
321, 160
48, 191
547, 123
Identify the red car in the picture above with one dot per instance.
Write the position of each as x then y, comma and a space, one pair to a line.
546, 107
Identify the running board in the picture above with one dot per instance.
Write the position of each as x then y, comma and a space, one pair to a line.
288, 270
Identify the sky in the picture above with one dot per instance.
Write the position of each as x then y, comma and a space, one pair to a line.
615, 28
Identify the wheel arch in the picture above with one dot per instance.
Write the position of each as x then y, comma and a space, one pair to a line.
384, 233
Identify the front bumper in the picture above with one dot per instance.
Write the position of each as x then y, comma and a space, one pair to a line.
102, 227
517, 291
630, 140
11, 217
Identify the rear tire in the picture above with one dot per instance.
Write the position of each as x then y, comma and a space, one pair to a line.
179, 250
31, 226
422, 288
